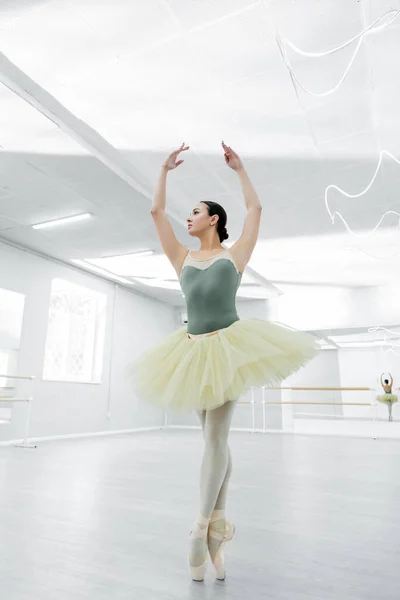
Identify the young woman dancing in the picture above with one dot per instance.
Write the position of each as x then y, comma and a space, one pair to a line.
388, 397
207, 366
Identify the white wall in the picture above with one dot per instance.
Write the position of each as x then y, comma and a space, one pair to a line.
77, 408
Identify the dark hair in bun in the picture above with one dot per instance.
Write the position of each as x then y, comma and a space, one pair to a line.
216, 209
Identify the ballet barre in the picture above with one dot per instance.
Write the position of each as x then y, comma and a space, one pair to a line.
26, 377
342, 389
16, 400
265, 402
314, 402
321, 403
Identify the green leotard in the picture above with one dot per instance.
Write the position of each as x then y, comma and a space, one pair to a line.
210, 288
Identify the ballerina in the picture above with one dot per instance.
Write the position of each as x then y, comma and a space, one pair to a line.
206, 366
388, 397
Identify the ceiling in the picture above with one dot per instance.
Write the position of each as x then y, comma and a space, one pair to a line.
95, 94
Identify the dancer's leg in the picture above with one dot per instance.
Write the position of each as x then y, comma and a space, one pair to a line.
222, 496
218, 513
216, 455
216, 424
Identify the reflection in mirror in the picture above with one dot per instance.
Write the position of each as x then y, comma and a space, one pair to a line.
11, 316
346, 376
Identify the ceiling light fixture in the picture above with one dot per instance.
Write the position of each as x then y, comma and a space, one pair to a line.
63, 221
388, 345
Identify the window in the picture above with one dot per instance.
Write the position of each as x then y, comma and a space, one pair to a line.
75, 333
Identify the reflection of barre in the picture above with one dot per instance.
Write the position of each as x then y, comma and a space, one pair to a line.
11, 399
30, 377
348, 389
288, 390
318, 415
321, 403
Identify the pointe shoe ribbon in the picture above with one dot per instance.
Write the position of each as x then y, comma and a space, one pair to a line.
199, 572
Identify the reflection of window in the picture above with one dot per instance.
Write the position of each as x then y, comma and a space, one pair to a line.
75, 333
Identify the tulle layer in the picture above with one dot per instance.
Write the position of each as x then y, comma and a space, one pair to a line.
386, 398
182, 374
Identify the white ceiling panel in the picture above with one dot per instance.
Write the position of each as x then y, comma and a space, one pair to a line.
11, 10
18, 175
79, 34
149, 75
197, 14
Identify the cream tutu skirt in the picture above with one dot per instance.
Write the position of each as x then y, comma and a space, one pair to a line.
386, 398
183, 374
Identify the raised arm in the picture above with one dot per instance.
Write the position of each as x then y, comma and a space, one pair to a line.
242, 250
173, 249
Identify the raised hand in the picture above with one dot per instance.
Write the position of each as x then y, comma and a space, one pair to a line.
231, 158
171, 162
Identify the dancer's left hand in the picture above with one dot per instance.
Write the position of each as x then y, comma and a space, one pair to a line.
231, 158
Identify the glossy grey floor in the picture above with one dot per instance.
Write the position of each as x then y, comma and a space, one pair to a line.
109, 518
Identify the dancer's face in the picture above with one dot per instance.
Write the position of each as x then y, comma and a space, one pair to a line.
199, 221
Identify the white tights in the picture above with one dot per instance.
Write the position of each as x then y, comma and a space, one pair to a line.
216, 470
216, 466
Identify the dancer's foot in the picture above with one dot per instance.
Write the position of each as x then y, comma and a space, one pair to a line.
219, 533
198, 548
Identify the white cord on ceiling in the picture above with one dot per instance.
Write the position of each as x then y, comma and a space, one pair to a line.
388, 18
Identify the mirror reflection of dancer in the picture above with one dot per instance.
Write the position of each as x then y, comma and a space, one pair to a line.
388, 397
207, 366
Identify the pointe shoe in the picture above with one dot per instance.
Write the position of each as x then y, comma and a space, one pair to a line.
198, 572
224, 538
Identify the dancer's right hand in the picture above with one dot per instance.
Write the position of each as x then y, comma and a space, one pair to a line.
171, 162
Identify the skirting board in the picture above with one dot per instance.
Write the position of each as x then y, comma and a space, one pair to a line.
72, 436
161, 427
366, 435
248, 429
